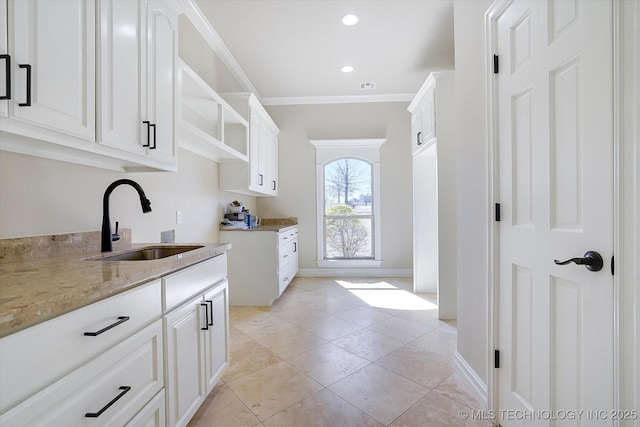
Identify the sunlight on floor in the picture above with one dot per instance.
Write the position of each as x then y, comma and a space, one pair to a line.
385, 295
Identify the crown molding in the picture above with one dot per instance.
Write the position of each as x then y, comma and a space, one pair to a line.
202, 24
353, 99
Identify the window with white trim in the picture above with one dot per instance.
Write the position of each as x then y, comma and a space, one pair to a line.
348, 202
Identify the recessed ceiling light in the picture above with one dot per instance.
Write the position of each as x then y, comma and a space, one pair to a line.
347, 69
350, 19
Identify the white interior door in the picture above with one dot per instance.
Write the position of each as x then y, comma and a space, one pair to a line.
556, 193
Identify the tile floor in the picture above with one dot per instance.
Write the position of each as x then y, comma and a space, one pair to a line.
340, 352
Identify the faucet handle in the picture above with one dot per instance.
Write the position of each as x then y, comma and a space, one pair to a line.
115, 236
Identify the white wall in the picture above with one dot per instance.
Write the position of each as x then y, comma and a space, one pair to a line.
40, 196
298, 124
472, 184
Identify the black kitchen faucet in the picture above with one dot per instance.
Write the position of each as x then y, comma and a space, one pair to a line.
107, 237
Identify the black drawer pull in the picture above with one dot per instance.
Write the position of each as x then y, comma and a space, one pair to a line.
121, 319
7, 77
125, 389
153, 126
418, 140
206, 317
28, 103
148, 123
210, 319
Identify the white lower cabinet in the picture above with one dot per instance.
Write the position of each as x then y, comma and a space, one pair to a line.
261, 264
196, 340
107, 391
146, 357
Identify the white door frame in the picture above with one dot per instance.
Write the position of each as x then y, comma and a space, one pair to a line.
620, 364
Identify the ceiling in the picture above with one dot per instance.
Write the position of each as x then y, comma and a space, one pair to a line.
292, 50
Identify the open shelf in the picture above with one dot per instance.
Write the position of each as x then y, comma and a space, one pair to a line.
207, 125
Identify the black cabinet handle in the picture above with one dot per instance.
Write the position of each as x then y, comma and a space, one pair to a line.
153, 125
261, 179
418, 140
7, 77
295, 246
28, 68
121, 320
125, 389
210, 302
274, 185
206, 316
146, 122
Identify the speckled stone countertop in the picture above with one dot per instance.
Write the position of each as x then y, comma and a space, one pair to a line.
268, 224
38, 285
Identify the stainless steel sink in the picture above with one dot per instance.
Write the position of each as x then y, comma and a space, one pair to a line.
148, 253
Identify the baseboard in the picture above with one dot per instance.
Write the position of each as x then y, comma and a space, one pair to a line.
355, 272
477, 385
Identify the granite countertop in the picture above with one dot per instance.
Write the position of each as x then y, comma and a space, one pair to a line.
35, 289
273, 227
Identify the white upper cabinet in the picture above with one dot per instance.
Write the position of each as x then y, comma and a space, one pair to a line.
137, 69
90, 82
52, 72
423, 110
260, 176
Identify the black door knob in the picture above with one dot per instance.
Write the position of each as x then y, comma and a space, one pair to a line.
592, 261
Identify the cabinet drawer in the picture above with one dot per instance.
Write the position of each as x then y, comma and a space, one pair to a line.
284, 254
285, 237
186, 283
35, 357
152, 415
100, 387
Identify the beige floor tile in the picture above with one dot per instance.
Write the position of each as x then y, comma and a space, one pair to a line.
303, 313
369, 344
241, 313
222, 408
331, 328
247, 358
400, 329
363, 316
237, 338
324, 409
290, 342
441, 341
421, 317
339, 304
328, 363
272, 389
379, 392
438, 411
261, 326
455, 388
421, 366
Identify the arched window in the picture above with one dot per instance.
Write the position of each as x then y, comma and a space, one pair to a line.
348, 174
348, 209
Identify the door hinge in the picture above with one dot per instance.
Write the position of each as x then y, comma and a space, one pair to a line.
497, 214
496, 359
496, 68
613, 265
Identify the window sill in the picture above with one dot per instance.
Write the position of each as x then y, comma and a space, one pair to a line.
355, 263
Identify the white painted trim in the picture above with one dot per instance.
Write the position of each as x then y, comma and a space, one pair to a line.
351, 263
202, 24
346, 99
355, 272
472, 378
492, 15
355, 143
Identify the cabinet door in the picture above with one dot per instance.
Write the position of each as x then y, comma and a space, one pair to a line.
185, 356
272, 161
122, 70
5, 62
217, 348
416, 129
162, 31
429, 116
53, 65
256, 180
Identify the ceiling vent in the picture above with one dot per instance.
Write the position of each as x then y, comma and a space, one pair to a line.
367, 85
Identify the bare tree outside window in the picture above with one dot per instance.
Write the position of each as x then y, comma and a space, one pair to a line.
348, 209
